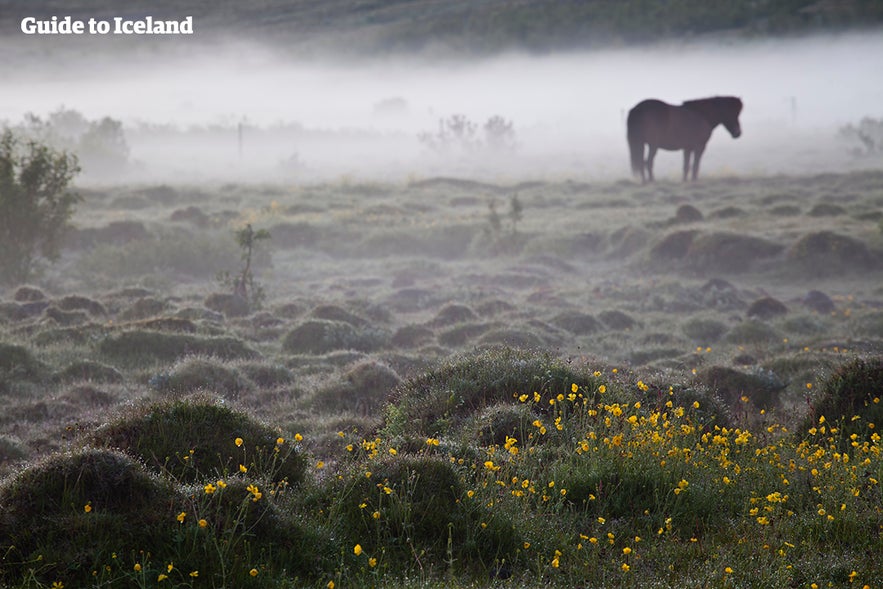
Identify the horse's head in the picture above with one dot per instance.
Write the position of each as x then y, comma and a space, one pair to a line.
732, 106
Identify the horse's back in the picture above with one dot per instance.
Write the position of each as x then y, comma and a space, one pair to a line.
667, 126
648, 106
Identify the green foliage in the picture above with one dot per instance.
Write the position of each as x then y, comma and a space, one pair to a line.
99, 144
244, 285
193, 440
35, 205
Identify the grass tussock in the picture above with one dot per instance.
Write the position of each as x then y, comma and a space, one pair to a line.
200, 439
146, 347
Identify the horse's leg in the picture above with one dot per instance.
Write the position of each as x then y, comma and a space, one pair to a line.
686, 162
696, 157
651, 154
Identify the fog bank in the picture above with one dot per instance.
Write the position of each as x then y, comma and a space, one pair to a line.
250, 113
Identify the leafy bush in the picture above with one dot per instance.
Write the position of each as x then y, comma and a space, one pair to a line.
35, 204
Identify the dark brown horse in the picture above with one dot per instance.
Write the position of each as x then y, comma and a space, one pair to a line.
687, 127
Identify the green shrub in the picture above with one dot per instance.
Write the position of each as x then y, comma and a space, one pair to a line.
35, 205
194, 440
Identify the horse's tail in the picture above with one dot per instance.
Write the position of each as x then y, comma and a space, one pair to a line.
636, 144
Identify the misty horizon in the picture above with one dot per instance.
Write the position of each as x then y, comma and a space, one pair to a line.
567, 109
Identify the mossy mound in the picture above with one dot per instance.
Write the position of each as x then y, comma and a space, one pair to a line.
321, 336
828, 253
423, 509
143, 347
526, 339
576, 322
143, 308
753, 332
88, 370
495, 423
704, 331
761, 388
73, 510
728, 252
767, 308
28, 294
337, 313
673, 246
229, 305
363, 390
18, 363
412, 336
267, 376
81, 303
452, 314
11, 449
851, 400
617, 320
194, 440
201, 374
433, 402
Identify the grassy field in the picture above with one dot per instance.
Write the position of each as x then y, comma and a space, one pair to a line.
452, 383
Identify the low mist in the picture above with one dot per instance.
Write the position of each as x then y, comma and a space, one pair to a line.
249, 113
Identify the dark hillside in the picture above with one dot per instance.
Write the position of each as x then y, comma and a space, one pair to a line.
466, 25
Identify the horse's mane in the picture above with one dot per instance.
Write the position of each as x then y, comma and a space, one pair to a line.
726, 102
711, 108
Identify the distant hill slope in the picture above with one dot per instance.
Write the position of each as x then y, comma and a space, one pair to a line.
472, 25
